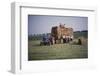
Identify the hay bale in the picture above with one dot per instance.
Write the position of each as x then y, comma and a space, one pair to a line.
79, 41
82, 41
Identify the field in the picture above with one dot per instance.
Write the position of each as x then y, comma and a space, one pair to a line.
56, 51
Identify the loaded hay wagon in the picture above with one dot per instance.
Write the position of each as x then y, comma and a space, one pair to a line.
62, 34
59, 34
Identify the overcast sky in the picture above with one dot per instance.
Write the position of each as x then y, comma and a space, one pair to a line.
39, 24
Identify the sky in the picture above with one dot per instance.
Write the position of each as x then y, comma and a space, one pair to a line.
39, 24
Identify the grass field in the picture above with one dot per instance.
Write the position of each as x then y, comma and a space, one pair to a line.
56, 51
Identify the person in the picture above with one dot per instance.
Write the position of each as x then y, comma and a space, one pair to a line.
67, 39
79, 41
53, 40
71, 38
64, 39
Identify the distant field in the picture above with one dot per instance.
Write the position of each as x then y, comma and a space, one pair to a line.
81, 34
56, 51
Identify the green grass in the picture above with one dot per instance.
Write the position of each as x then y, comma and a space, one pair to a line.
56, 51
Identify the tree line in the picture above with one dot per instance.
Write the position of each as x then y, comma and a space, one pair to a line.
77, 34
